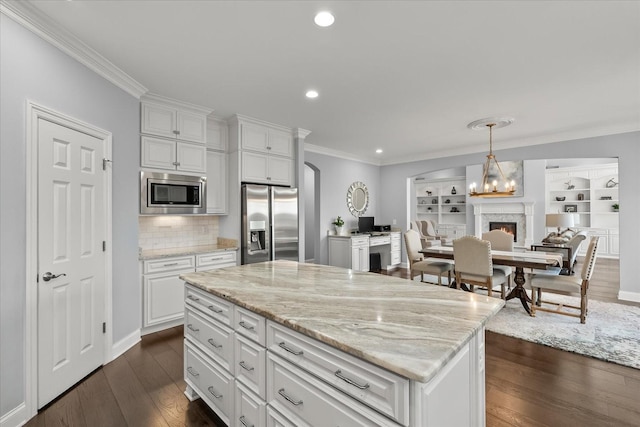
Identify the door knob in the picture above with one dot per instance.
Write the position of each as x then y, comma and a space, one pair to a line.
48, 276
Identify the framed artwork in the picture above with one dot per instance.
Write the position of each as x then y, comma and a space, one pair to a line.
571, 208
513, 171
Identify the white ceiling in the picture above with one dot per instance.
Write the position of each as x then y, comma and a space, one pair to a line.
404, 76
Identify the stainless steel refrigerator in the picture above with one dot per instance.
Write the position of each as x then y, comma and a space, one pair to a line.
269, 223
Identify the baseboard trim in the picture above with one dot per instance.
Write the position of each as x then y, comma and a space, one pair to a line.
125, 344
16, 417
162, 326
629, 296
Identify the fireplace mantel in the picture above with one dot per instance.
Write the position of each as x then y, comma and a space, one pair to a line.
521, 208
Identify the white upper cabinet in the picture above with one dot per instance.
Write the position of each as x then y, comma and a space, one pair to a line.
168, 118
160, 153
216, 182
217, 134
266, 169
263, 139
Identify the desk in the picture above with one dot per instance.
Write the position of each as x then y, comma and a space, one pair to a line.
353, 251
519, 260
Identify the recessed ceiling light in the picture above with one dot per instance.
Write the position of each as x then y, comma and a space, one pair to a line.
312, 94
324, 19
379, 150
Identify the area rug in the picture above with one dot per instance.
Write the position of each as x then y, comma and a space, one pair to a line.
612, 331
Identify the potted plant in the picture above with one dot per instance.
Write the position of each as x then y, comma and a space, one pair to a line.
339, 224
615, 207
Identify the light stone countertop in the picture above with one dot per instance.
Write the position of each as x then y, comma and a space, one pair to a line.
190, 250
410, 328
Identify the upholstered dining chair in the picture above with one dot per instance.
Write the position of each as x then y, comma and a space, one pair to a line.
564, 285
425, 240
474, 266
501, 241
417, 263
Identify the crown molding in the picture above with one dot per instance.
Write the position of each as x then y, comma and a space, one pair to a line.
161, 99
301, 133
337, 153
27, 15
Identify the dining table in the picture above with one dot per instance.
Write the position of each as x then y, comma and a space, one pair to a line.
535, 260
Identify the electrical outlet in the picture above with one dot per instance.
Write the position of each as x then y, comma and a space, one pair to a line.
394, 222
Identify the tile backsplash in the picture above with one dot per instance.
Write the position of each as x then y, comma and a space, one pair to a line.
168, 231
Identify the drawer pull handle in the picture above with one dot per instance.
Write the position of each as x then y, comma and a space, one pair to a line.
171, 264
244, 366
217, 259
290, 350
213, 393
244, 325
244, 422
339, 374
192, 298
193, 372
213, 343
190, 326
215, 310
294, 402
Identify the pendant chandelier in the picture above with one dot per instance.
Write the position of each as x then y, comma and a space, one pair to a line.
498, 186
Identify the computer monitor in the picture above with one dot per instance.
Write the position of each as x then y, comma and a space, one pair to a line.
365, 224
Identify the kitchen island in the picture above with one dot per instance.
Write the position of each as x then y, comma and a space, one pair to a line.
284, 343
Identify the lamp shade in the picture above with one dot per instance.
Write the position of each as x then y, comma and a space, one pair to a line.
559, 220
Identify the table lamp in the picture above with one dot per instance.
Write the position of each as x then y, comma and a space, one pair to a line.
559, 220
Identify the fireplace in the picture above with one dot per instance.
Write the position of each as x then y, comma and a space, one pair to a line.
507, 227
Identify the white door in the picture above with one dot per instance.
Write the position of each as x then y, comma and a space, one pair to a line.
71, 261
191, 157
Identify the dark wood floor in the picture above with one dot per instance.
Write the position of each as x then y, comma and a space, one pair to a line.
526, 385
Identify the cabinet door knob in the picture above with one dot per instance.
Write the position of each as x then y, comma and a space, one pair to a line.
176, 132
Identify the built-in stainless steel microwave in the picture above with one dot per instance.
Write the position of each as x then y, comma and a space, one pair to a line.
169, 194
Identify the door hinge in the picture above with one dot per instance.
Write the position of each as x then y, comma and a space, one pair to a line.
104, 163
104, 246
104, 327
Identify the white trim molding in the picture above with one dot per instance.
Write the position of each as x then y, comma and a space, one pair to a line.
339, 154
44, 27
629, 296
16, 417
125, 344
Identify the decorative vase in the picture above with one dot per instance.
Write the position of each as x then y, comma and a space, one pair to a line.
453, 190
339, 229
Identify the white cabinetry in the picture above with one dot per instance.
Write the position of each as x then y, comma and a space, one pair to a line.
162, 289
349, 252
275, 376
441, 200
395, 249
590, 192
217, 142
266, 151
173, 135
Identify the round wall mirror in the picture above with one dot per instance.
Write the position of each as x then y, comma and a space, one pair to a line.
357, 198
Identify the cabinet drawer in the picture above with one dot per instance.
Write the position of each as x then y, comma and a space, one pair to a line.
250, 324
212, 383
276, 419
212, 337
380, 389
395, 246
211, 305
250, 365
395, 258
292, 390
250, 409
216, 258
358, 241
168, 264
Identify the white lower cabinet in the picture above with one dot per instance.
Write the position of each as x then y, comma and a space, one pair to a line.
349, 252
277, 377
163, 290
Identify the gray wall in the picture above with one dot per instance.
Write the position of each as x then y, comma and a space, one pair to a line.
32, 69
626, 147
336, 175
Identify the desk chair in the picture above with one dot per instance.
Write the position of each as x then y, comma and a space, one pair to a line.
501, 241
566, 284
474, 266
417, 263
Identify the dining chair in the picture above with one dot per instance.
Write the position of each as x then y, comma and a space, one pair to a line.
564, 285
501, 241
474, 266
417, 263
425, 241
